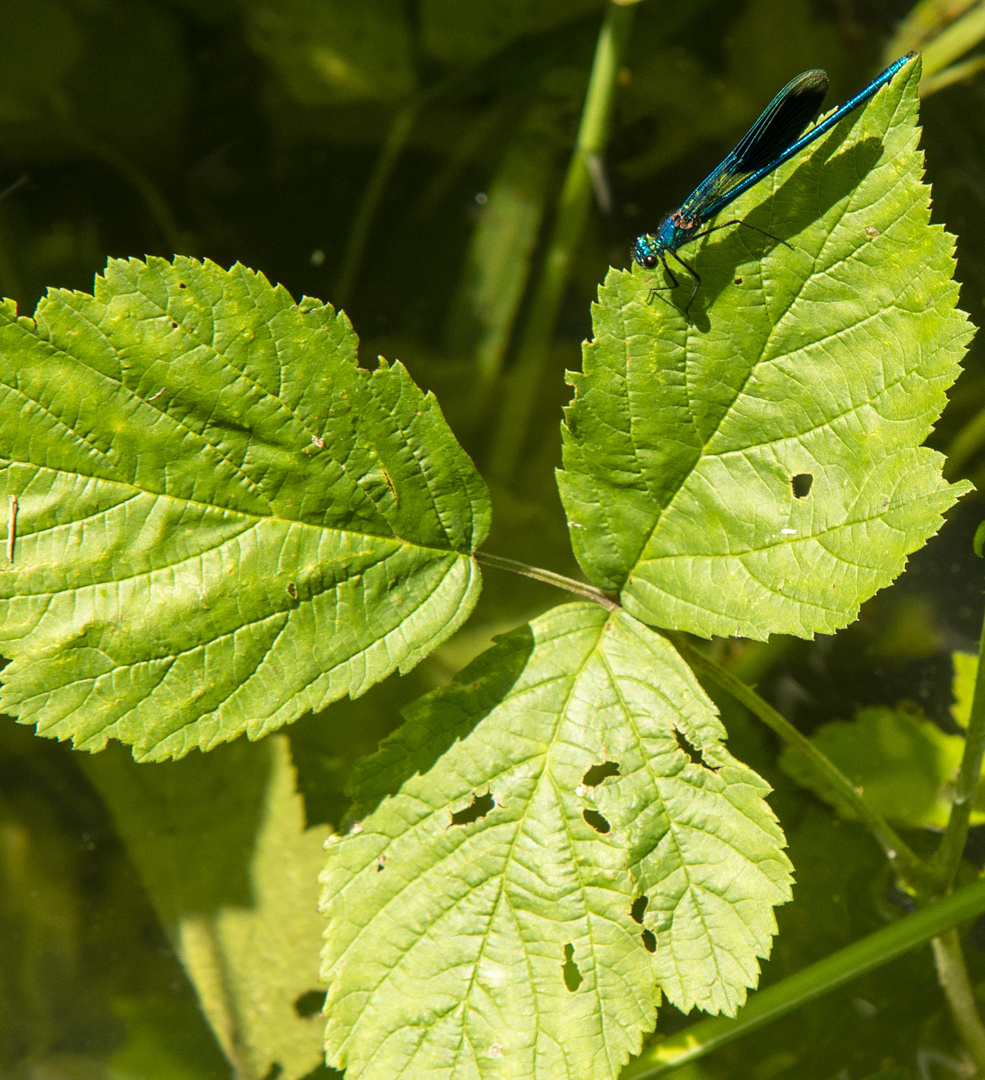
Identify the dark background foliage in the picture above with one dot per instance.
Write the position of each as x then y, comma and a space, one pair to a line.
252, 130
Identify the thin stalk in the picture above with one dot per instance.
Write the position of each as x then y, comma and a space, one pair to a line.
157, 205
11, 282
904, 860
393, 146
355, 249
759, 658
953, 977
469, 146
952, 972
483, 315
947, 858
579, 588
15, 186
807, 985
569, 222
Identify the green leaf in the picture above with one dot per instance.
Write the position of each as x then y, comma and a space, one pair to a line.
331, 51
221, 522
165, 1039
904, 765
234, 882
760, 471
500, 254
458, 33
102, 79
139, 101
963, 686
487, 913
41, 44
978, 543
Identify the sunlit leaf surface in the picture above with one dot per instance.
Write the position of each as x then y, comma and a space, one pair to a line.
542, 847
221, 522
759, 470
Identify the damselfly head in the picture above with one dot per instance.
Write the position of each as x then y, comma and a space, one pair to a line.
646, 252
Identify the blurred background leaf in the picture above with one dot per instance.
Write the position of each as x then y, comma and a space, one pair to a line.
326, 52
220, 844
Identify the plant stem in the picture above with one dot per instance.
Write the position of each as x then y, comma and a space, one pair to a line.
483, 315
573, 205
953, 977
951, 970
579, 588
355, 249
827, 974
157, 205
393, 146
903, 859
947, 858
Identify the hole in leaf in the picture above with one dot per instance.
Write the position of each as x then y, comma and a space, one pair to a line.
174, 326
639, 908
801, 484
182, 285
597, 822
292, 590
478, 808
597, 773
572, 976
309, 1003
694, 755
737, 281
649, 941
381, 863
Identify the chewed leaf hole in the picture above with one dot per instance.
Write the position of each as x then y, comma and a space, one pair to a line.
478, 808
572, 976
693, 754
597, 773
801, 484
309, 1003
597, 822
649, 941
638, 910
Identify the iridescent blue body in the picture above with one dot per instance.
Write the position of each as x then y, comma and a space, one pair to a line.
774, 138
